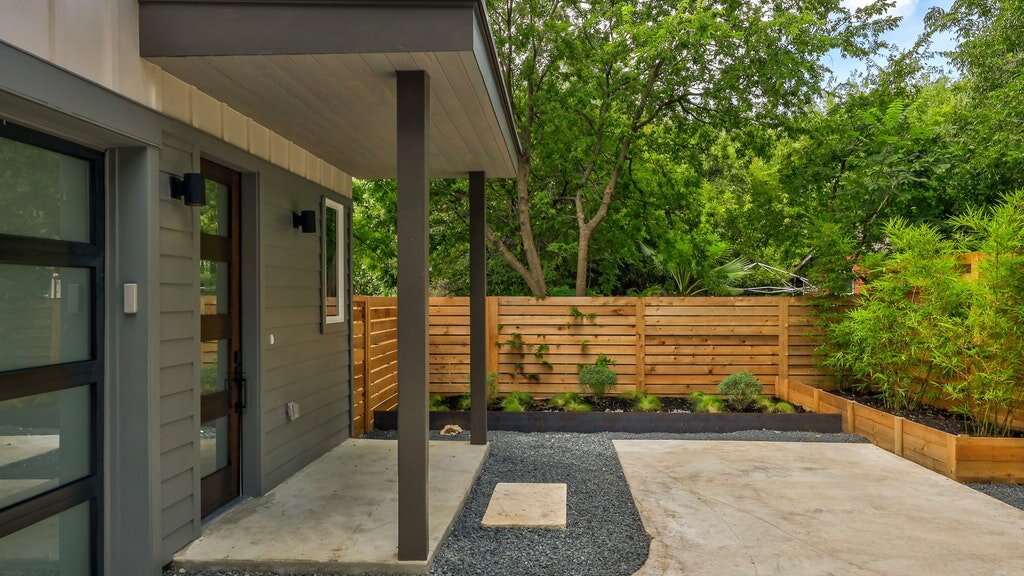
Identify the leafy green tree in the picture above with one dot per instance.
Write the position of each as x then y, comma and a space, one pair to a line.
592, 81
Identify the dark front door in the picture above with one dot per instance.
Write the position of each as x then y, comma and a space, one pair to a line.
220, 374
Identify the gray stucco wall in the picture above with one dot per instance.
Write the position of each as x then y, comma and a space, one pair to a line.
304, 365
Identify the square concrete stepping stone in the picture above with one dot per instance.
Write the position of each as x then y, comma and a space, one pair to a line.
526, 505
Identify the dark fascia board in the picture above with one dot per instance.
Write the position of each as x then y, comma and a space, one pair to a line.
87, 112
176, 28
495, 80
173, 28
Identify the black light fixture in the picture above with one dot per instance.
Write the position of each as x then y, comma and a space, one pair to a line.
306, 220
191, 189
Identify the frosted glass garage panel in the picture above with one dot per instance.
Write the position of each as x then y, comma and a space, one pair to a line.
46, 193
57, 546
44, 442
46, 315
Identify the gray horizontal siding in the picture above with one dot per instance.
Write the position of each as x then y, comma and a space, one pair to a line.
179, 356
304, 365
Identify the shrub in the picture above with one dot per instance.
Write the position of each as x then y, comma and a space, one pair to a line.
923, 331
598, 379
492, 387
740, 389
437, 403
465, 402
701, 402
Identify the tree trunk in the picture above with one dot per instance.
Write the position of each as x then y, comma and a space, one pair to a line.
582, 257
531, 272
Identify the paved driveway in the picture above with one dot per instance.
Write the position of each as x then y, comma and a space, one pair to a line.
747, 508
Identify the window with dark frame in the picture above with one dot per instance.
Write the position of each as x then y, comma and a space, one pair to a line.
334, 232
51, 311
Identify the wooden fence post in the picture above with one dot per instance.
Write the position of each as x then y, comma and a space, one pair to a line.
817, 400
367, 346
641, 345
493, 318
784, 343
898, 436
850, 424
951, 455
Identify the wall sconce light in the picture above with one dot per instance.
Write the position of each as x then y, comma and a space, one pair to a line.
191, 189
306, 220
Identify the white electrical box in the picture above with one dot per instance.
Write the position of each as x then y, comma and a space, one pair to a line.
291, 411
131, 298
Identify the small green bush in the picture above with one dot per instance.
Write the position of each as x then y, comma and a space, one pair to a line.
740, 389
437, 403
598, 379
707, 403
465, 402
492, 387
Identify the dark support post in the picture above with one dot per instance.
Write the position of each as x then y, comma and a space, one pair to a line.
413, 276
477, 310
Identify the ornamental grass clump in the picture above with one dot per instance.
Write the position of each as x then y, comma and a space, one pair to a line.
706, 403
598, 379
740, 389
569, 402
770, 405
437, 403
644, 402
516, 402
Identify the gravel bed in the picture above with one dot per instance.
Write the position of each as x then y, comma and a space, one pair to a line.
1012, 494
604, 535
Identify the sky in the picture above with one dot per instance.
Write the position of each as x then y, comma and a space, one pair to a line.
912, 13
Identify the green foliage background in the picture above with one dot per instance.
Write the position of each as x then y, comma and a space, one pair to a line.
737, 157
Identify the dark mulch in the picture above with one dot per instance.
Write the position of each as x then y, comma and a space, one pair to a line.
610, 404
937, 418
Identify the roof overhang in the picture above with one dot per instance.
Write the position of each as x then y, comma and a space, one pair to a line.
322, 74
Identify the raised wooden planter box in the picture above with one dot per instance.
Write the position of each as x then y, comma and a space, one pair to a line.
962, 458
629, 422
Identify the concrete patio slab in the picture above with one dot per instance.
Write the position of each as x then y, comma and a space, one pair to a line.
526, 505
742, 508
339, 514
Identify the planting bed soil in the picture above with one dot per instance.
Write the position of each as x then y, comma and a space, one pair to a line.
931, 416
629, 422
616, 404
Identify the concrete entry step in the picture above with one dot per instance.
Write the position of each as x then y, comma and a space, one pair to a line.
527, 505
337, 515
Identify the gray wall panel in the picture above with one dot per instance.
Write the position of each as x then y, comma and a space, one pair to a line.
179, 360
305, 365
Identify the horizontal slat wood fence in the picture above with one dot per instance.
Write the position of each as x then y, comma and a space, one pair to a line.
668, 345
374, 359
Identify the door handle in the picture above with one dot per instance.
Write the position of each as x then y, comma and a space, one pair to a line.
243, 388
